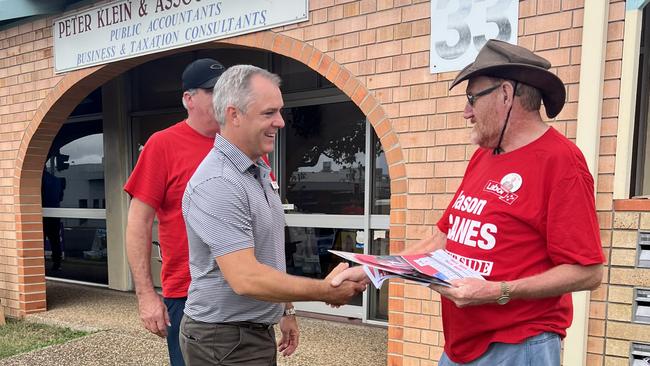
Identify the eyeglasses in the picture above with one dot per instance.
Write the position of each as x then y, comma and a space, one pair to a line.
471, 98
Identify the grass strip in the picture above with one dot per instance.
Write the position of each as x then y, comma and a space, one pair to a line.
18, 336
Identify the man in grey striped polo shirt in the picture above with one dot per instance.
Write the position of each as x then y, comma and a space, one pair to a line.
235, 228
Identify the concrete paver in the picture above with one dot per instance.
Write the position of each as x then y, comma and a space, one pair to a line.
119, 339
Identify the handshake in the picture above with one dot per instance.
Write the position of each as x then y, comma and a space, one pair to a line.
342, 284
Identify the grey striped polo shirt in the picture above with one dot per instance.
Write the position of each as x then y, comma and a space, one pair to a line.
229, 204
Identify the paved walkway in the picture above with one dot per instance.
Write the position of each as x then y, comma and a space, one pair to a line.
118, 338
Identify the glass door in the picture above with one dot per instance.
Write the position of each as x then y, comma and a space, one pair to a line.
74, 205
324, 176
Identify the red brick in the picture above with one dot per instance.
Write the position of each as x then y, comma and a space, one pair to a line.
450, 169
350, 55
351, 9
416, 44
549, 6
549, 22
545, 41
384, 49
415, 12
617, 11
557, 57
418, 76
416, 108
614, 50
319, 31
572, 4
350, 25
384, 18
527, 8
615, 31
367, 37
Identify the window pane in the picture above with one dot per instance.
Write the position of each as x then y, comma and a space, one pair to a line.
296, 76
380, 180
640, 177
325, 158
157, 84
378, 298
74, 170
83, 249
306, 251
90, 104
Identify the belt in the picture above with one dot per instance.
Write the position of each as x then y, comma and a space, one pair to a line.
249, 325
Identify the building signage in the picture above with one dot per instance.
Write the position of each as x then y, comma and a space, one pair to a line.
128, 28
459, 28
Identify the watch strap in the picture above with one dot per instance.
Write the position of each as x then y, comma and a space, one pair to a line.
505, 294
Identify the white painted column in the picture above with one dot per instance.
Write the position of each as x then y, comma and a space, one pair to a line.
627, 102
590, 101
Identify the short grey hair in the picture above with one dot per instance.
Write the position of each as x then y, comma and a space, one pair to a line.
233, 89
190, 92
530, 97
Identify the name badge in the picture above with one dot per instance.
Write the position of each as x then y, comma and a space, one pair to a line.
275, 185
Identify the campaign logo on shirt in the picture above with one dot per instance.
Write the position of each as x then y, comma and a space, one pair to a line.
497, 189
511, 182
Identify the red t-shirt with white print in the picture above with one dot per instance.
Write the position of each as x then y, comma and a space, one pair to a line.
516, 215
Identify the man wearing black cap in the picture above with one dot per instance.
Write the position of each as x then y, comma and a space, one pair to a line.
156, 186
524, 217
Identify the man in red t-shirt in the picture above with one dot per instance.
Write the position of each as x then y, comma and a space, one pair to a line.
524, 217
156, 186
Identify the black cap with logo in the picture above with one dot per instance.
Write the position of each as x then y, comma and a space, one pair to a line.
202, 74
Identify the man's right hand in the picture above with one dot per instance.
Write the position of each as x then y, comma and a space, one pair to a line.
341, 294
356, 274
153, 313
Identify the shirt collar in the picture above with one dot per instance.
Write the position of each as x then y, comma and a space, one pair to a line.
240, 160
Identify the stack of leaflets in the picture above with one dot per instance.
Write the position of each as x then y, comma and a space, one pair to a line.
438, 267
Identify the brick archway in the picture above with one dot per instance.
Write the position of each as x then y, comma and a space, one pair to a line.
70, 89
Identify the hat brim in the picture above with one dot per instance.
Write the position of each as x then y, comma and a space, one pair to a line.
551, 86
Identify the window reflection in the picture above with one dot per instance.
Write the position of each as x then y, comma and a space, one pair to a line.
74, 171
92, 103
380, 180
83, 249
307, 253
325, 158
296, 76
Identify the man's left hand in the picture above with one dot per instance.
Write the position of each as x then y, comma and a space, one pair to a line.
290, 335
470, 291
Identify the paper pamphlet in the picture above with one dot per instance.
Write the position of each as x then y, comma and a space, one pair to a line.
437, 267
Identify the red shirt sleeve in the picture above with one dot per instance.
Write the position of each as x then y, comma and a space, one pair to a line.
573, 234
148, 180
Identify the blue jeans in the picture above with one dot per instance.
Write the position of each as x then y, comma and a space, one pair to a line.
540, 350
175, 309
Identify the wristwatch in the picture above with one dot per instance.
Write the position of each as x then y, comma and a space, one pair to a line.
505, 294
289, 311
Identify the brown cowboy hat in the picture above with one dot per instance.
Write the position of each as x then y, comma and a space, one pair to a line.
507, 61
